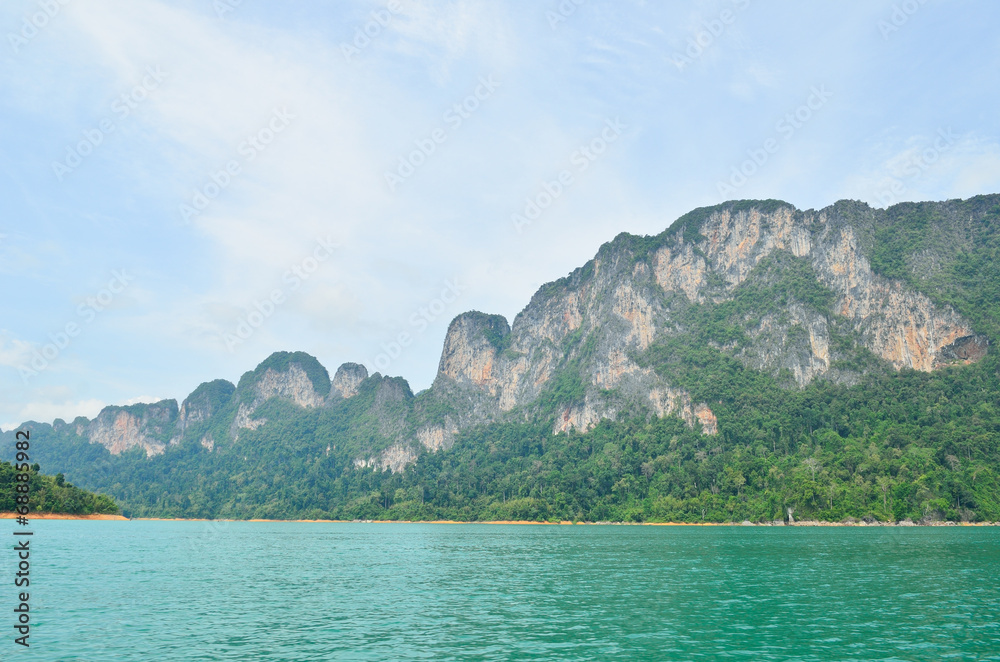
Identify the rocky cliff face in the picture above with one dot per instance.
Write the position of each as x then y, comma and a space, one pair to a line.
347, 380
395, 459
580, 350
797, 340
470, 348
206, 400
596, 322
390, 410
587, 327
120, 428
391, 407
292, 384
902, 326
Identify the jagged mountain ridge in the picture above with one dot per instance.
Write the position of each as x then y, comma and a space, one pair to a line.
583, 349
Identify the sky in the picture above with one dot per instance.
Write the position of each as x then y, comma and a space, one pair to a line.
189, 186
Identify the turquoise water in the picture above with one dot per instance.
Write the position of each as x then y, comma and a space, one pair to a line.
302, 591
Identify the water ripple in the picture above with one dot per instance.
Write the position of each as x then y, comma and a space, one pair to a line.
324, 591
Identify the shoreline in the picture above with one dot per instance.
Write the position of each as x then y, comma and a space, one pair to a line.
92, 516
803, 523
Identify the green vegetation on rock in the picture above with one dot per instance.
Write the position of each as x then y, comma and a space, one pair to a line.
281, 361
861, 439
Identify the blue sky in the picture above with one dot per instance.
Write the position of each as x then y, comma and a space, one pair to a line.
189, 186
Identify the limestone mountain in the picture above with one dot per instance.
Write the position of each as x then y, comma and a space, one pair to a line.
798, 295
692, 325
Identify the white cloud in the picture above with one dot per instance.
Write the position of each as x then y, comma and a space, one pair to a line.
14, 353
936, 165
143, 399
48, 411
448, 32
323, 175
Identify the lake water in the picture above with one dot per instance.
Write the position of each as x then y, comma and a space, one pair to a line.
160, 591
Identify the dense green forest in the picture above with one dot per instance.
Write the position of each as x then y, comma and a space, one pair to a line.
886, 445
50, 494
917, 445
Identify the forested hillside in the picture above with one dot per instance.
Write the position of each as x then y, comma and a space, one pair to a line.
50, 494
751, 360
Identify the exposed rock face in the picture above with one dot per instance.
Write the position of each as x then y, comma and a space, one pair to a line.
395, 458
435, 438
202, 404
580, 350
347, 380
679, 269
589, 324
581, 417
632, 307
469, 355
245, 421
121, 428
709, 423
902, 326
797, 340
967, 349
602, 316
190, 414
292, 384
391, 407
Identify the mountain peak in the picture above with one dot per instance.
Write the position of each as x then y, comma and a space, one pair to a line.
294, 363
348, 378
